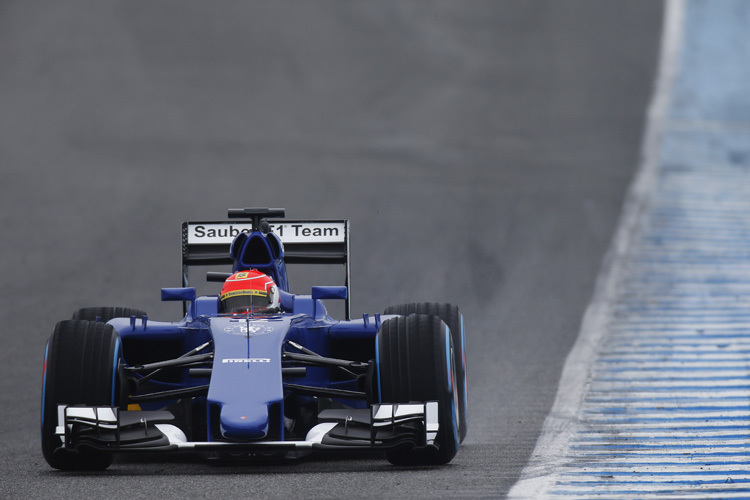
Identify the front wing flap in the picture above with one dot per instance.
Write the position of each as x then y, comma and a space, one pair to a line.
382, 426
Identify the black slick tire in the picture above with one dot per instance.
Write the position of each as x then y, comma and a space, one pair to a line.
81, 366
452, 317
415, 364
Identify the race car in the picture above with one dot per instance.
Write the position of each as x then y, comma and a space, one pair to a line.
256, 370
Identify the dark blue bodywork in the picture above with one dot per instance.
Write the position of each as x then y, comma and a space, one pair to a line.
246, 395
288, 379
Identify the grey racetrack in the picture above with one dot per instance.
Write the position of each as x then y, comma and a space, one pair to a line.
481, 150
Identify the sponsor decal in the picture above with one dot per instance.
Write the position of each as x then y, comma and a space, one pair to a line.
248, 330
288, 232
314, 232
246, 360
235, 293
212, 234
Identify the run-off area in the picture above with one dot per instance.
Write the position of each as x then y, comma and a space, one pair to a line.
655, 396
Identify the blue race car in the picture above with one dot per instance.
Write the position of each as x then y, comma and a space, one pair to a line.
256, 371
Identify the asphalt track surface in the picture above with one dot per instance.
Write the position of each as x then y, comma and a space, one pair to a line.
482, 155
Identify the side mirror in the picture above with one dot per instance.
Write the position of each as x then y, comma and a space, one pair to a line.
329, 292
168, 294
326, 292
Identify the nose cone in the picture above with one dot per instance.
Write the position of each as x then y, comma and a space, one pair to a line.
244, 421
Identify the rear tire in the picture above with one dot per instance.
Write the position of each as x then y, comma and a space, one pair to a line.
415, 364
105, 314
81, 366
452, 317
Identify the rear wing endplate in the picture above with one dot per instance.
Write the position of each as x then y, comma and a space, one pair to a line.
305, 242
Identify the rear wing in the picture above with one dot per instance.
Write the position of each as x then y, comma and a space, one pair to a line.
305, 242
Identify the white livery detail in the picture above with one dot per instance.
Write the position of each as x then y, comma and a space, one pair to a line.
317, 433
173, 433
289, 232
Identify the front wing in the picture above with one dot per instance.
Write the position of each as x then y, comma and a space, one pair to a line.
381, 426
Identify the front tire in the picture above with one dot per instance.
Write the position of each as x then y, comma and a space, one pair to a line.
415, 363
81, 366
452, 317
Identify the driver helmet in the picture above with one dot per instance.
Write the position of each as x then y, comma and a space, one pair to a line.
249, 292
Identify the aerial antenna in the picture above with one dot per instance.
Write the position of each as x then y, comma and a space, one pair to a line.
257, 215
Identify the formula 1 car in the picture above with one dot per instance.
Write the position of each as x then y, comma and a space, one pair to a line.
256, 371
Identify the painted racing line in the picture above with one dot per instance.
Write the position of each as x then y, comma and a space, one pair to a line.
654, 399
